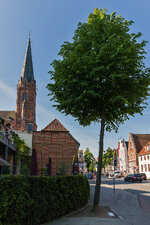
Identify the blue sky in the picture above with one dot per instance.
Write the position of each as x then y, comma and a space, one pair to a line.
52, 22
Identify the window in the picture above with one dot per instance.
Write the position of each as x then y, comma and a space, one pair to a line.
144, 157
141, 158
147, 157
145, 168
149, 167
30, 127
148, 147
24, 97
141, 168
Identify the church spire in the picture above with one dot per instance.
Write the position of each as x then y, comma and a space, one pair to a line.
27, 69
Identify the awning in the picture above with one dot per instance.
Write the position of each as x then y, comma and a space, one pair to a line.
3, 162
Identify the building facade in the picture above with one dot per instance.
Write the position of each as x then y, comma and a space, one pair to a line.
55, 142
136, 143
123, 156
144, 160
25, 117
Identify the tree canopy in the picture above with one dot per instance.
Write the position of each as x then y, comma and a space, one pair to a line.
101, 70
108, 156
89, 159
101, 76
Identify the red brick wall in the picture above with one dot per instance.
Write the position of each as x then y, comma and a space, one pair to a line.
59, 146
25, 114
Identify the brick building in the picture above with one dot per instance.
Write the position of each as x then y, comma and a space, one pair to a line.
55, 142
24, 118
136, 143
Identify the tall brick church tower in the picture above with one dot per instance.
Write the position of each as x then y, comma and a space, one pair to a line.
25, 118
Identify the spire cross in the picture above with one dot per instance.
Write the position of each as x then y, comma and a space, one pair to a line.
29, 34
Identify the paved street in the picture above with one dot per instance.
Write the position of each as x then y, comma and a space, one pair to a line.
123, 207
142, 190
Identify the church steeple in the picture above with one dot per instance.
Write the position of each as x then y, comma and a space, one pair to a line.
27, 69
25, 119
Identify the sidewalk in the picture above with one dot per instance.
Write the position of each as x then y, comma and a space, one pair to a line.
119, 208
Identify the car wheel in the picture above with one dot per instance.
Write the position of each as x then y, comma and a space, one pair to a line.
140, 181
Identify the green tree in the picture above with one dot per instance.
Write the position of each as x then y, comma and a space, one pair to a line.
101, 76
89, 159
108, 156
23, 153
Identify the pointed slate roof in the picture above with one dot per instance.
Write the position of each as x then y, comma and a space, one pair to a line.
55, 125
27, 69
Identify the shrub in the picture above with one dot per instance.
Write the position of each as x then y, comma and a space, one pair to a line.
33, 200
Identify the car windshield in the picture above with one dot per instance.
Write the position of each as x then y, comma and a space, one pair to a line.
137, 175
130, 175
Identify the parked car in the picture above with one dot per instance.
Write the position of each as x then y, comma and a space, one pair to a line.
117, 174
143, 175
111, 175
107, 174
89, 175
133, 177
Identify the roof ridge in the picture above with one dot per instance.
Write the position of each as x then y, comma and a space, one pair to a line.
55, 125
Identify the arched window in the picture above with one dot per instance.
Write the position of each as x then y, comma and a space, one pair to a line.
24, 97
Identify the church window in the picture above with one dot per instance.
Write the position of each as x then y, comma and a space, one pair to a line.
30, 127
24, 97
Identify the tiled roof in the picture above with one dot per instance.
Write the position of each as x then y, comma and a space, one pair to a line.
140, 140
55, 125
144, 149
6, 115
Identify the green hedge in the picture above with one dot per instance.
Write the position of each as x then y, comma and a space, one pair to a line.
29, 200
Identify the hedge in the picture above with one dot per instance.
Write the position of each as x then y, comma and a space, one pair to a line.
33, 200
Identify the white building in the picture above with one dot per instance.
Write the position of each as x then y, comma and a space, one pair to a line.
144, 160
123, 155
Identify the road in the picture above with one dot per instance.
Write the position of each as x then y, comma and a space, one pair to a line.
122, 206
142, 190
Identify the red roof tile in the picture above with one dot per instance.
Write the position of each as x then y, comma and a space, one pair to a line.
144, 149
140, 140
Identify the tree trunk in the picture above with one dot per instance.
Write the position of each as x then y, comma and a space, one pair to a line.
99, 168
